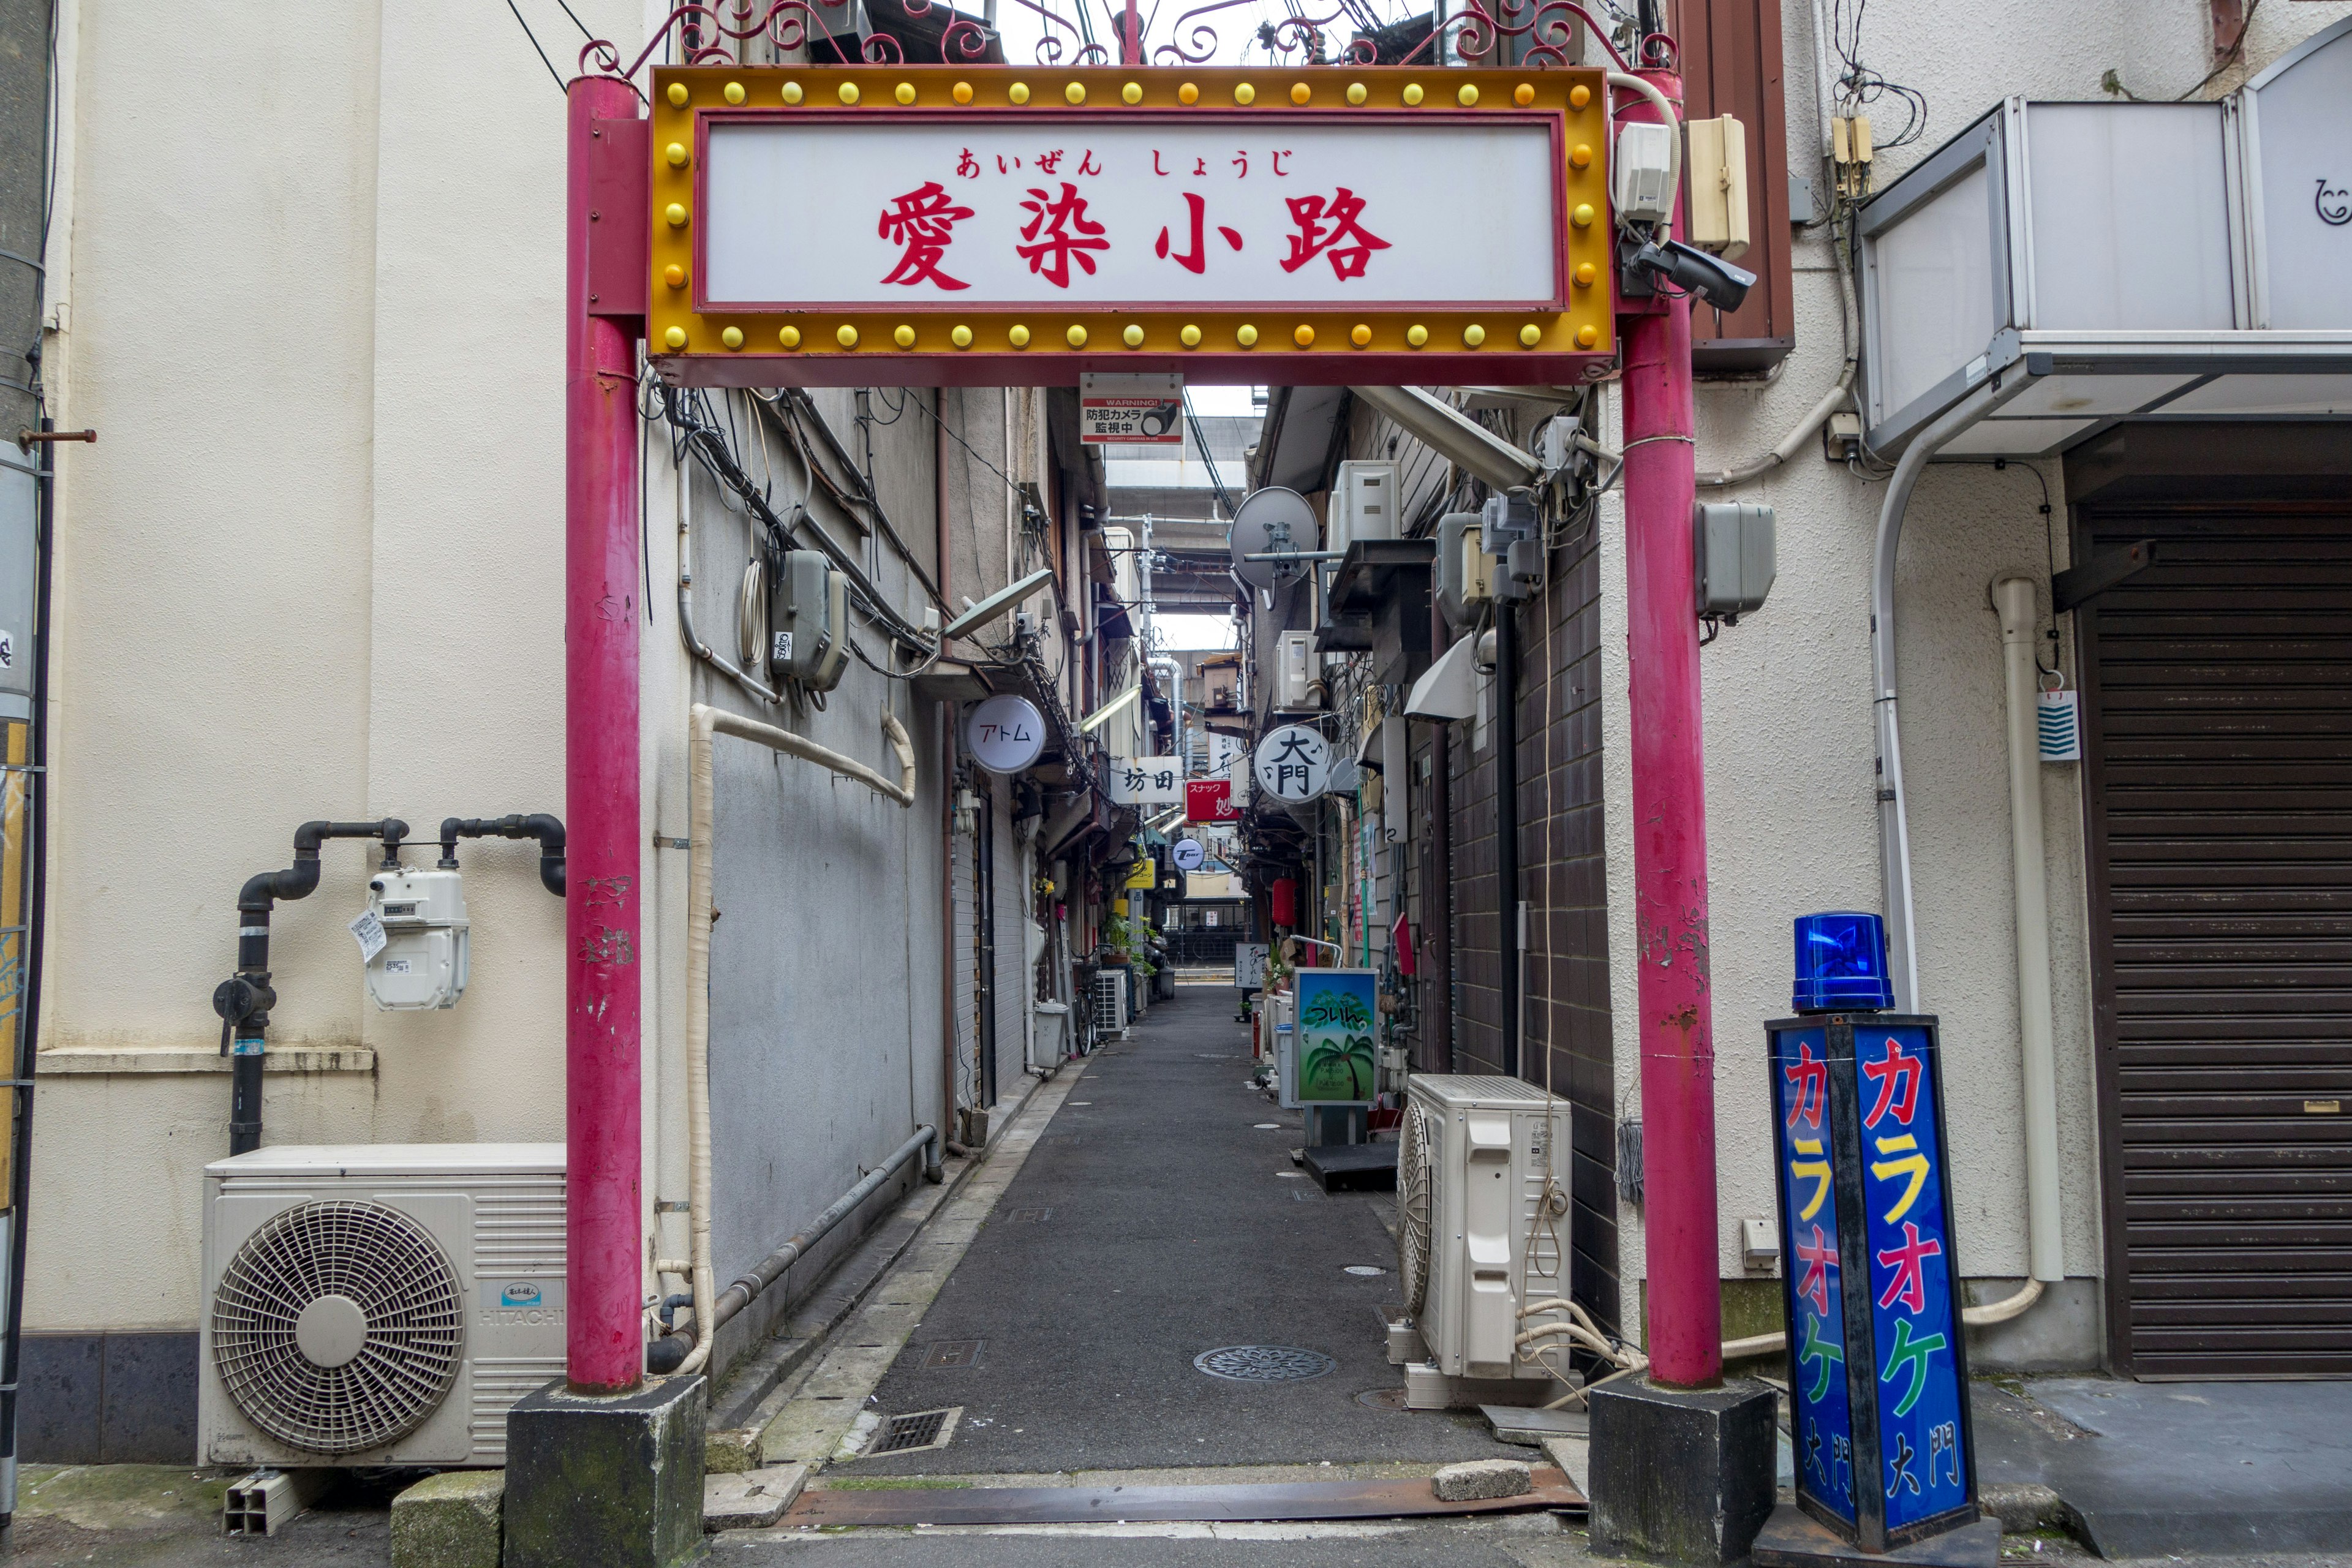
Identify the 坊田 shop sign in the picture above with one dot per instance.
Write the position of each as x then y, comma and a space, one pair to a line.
1000, 226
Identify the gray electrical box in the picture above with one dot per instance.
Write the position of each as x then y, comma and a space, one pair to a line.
1735, 557
808, 622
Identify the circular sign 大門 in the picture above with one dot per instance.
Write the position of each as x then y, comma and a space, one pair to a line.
1293, 764
1004, 733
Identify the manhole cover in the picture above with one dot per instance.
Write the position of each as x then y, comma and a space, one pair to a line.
1264, 1364
1381, 1399
1365, 1270
952, 1353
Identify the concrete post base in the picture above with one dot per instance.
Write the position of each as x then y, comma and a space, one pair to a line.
616, 1482
1682, 1475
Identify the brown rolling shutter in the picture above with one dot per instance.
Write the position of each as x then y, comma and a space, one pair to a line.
2218, 707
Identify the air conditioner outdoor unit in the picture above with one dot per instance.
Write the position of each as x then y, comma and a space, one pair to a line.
1363, 503
1482, 1204
1110, 1002
378, 1304
1296, 670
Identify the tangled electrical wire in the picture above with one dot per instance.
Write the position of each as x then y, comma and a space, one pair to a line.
1860, 87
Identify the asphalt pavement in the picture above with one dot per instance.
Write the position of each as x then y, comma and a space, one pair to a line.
1159, 1218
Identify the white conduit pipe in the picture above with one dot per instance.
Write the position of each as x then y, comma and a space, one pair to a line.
1809, 426
1893, 829
704, 723
2013, 601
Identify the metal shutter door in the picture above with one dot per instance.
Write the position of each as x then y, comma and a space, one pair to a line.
2218, 689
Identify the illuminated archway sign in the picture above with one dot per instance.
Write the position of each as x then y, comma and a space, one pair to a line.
997, 225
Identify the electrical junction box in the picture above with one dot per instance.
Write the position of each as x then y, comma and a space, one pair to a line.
1363, 503
423, 960
810, 620
1717, 218
1645, 152
1465, 571
1737, 558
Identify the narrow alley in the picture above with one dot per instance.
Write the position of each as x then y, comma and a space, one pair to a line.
1158, 1220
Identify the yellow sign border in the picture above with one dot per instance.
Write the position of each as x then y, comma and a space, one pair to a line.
1044, 346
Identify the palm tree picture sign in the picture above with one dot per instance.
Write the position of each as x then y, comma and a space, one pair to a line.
1339, 1017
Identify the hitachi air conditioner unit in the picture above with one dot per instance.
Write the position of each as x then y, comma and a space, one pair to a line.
378, 1304
1482, 1201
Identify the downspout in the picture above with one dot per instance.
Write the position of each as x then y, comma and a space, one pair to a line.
1894, 830
1437, 887
705, 724
669, 1352
947, 727
244, 999
2013, 601
1508, 941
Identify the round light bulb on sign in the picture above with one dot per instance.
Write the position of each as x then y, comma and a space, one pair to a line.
1005, 734
1189, 855
1294, 763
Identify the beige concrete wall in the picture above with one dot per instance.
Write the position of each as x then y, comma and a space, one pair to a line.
313, 278
1792, 822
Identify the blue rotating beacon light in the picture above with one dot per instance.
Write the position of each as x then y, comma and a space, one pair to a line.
1842, 964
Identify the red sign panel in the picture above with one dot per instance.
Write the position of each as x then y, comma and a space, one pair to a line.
1209, 800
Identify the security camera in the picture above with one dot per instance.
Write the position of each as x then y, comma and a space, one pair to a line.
1693, 272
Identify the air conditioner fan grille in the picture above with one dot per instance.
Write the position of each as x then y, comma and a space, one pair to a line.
1416, 1172
359, 1264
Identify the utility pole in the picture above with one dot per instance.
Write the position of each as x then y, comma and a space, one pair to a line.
1682, 1461
602, 1465
605, 1342
1670, 892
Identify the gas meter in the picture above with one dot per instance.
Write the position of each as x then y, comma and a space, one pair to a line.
422, 962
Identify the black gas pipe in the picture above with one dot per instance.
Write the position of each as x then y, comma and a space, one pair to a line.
244, 1000
546, 829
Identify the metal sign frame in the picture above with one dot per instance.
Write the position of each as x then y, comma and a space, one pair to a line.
1817, 1076
1565, 340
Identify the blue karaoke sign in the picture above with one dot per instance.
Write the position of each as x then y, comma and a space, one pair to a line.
1878, 1370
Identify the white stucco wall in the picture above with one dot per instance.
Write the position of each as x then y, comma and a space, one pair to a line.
314, 277
1792, 809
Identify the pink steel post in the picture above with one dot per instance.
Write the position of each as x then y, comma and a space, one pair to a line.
1677, 1029
605, 1342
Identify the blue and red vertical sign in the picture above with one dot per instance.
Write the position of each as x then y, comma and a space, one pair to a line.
1878, 1371
1813, 1286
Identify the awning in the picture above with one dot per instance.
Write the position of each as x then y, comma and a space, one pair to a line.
2058, 267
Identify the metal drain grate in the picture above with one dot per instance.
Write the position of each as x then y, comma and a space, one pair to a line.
1264, 1364
915, 1429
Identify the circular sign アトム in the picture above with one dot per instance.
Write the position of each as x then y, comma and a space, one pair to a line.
1190, 855
1004, 733
1294, 763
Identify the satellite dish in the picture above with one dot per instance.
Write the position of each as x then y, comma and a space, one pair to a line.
1273, 518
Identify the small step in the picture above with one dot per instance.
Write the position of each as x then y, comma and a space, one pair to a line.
1352, 1167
